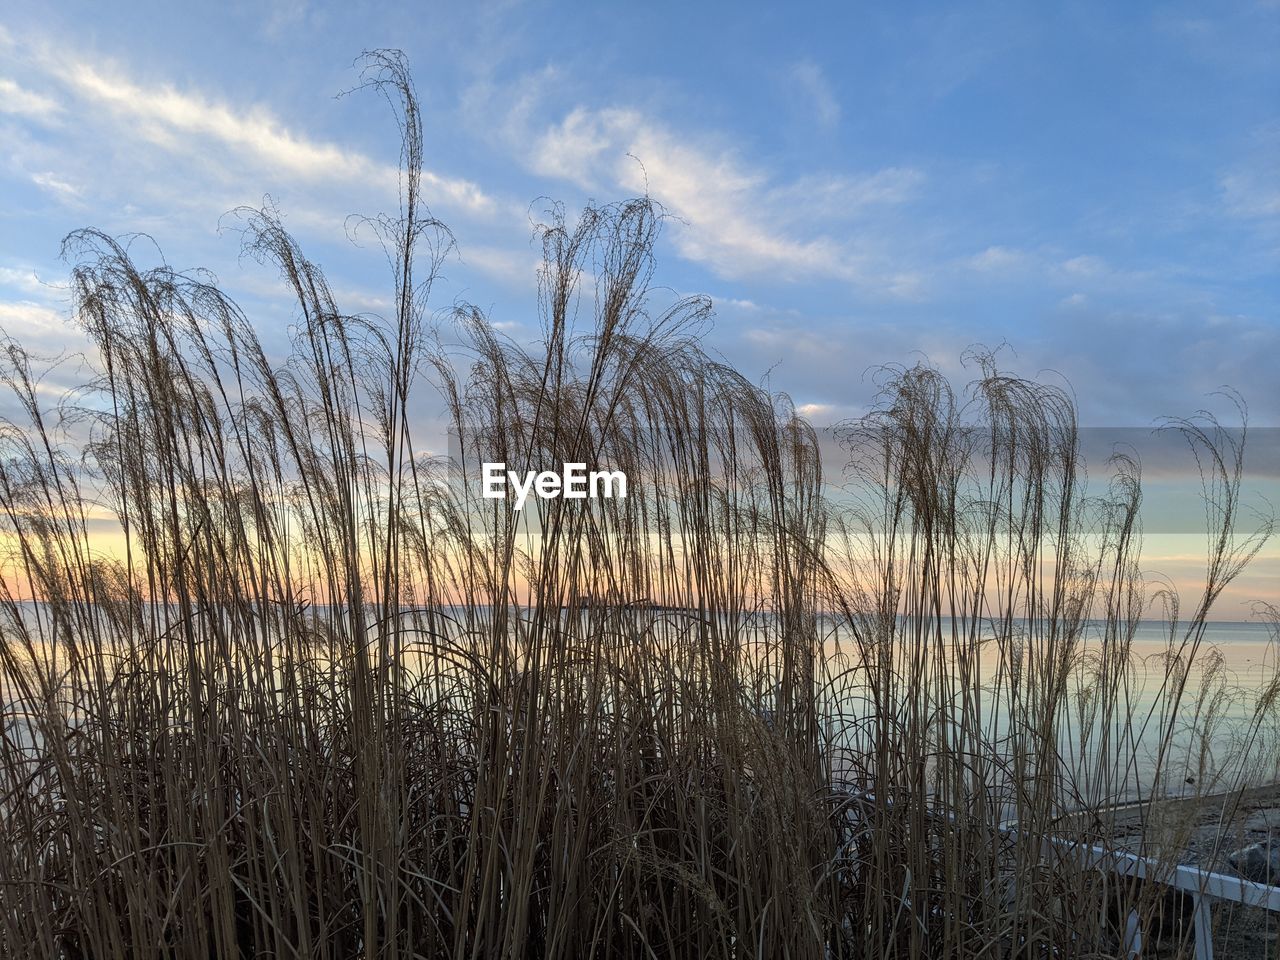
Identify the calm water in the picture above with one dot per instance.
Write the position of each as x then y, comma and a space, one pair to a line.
1219, 738
1214, 735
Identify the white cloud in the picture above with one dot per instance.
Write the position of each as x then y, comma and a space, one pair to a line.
1085, 265
245, 141
808, 79
997, 259
1075, 276
1079, 275
56, 185
1253, 194
21, 278
815, 412
22, 102
735, 220
163, 112
36, 312
514, 267
283, 14
735, 303
1251, 188
23, 318
576, 147
844, 197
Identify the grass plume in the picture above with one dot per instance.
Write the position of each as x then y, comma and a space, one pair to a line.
327, 702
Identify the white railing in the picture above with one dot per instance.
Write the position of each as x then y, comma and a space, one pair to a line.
1203, 886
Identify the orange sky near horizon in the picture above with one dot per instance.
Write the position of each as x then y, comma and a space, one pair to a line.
1178, 558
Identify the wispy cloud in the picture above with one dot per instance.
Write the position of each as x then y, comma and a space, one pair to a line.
281, 15
50, 181
15, 99
999, 260
812, 85
839, 198
241, 147
1252, 194
25, 280
32, 320
181, 156
736, 218
190, 122
514, 267
36, 310
1251, 189
1077, 272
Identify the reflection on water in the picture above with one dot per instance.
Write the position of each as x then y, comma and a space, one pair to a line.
1202, 712
1115, 722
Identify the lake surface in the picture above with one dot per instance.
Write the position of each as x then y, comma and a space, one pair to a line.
1214, 731
1211, 736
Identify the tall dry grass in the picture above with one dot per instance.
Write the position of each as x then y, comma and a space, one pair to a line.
331, 703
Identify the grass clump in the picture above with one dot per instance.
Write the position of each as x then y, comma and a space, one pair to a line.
325, 701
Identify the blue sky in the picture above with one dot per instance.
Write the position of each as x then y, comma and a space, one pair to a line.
1097, 184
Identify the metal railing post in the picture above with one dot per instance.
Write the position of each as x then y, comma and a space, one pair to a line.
1203, 927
